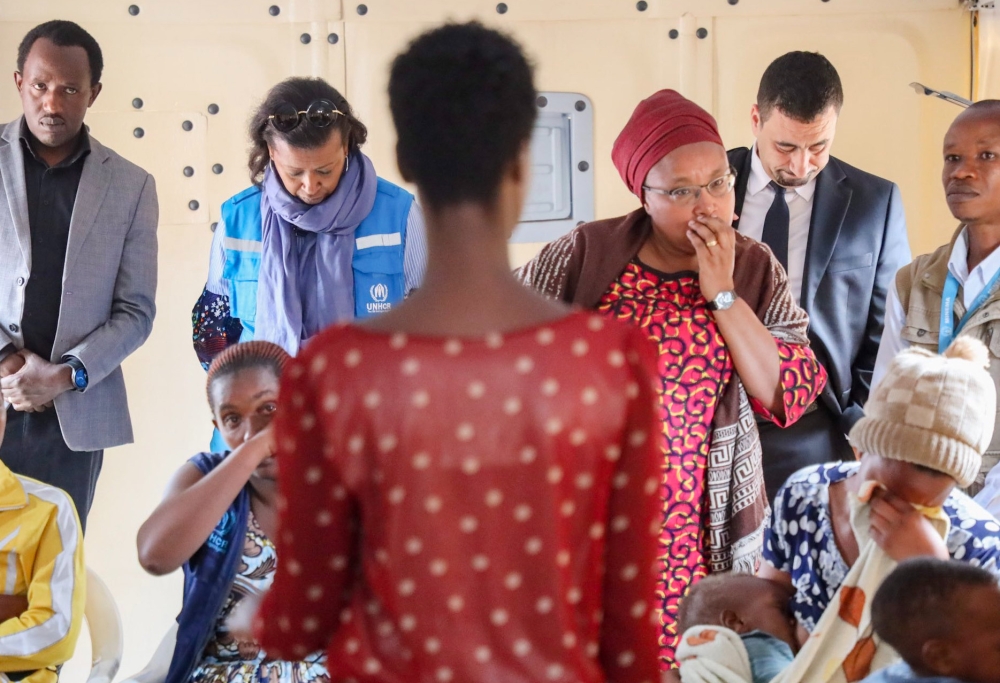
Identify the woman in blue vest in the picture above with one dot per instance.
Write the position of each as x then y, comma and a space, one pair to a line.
217, 520
318, 238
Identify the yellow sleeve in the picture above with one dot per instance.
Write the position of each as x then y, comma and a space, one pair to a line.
45, 634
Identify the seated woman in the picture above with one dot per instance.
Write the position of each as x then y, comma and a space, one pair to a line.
316, 239
471, 479
732, 341
218, 519
837, 530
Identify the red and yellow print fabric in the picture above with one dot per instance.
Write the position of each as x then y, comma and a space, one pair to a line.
694, 367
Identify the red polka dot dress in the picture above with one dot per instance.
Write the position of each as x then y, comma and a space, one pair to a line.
470, 509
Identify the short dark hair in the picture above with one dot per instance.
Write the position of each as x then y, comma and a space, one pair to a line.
463, 103
800, 84
706, 600
918, 602
300, 93
64, 34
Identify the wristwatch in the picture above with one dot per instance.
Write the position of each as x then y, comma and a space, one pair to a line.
724, 300
79, 377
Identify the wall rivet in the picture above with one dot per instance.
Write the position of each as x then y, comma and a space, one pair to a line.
333, 38
642, 5
217, 169
580, 105
137, 103
305, 39
502, 8
541, 101
133, 10
214, 226
213, 108
583, 166
734, 2
193, 204
138, 132
674, 34
188, 171
187, 125
362, 10
702, 33
274, 10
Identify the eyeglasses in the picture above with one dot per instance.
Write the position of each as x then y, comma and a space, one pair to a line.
689, 194
319, 113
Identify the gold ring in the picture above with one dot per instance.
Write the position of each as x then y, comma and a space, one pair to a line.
712, 243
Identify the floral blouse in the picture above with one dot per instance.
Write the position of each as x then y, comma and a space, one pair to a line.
799, 537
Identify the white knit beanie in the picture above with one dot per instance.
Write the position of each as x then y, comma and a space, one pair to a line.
931, 410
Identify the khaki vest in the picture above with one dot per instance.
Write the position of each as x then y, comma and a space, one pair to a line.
920, 286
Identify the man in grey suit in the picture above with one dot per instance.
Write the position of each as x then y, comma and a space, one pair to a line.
838, 231
78, 264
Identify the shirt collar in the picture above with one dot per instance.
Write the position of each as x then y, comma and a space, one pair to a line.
958, 262
12, 495
28, 141
759, 179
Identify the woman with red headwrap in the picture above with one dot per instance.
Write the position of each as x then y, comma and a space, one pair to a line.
732, 341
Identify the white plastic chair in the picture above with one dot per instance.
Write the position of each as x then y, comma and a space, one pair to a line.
105, 626
156, 670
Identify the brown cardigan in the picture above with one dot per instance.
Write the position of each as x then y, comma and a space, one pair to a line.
583, 264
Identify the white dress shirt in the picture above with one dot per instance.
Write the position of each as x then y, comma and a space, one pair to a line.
756, 203
892, 342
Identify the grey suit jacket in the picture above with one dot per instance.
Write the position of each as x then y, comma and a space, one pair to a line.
109, 283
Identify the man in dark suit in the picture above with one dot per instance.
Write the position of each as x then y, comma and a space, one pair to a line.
838, 231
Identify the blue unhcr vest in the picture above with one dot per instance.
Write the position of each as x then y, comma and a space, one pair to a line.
379, 243
208, 576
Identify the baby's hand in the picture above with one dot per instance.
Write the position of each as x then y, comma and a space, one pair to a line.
902, 531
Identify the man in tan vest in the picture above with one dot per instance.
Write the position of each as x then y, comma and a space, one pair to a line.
954, 290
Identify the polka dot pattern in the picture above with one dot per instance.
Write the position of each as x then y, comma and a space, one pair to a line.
515, 464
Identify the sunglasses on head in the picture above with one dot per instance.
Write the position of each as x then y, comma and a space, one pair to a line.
319, 113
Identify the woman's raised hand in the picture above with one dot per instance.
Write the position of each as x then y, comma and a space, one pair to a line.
714, 242
901, 530
261, 445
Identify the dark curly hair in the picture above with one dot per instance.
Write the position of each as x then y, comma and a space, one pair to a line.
300, 93
463, 102
802, 85
63, 34
242, 356
921, 600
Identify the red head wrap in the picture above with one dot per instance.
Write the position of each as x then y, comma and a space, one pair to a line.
659, 125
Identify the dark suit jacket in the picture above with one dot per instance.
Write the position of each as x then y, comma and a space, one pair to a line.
857, 242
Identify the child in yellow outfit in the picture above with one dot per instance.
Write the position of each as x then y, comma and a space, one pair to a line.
42, 577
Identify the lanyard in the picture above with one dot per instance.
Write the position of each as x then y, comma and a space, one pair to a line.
948, 328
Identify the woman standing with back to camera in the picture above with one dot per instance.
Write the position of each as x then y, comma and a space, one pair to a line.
318, 238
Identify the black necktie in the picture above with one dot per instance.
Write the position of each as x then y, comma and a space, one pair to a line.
775, 233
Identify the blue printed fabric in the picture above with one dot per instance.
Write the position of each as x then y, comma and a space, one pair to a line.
213, 327
799, 539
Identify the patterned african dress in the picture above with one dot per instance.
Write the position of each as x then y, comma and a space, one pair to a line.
227, 660
694, 368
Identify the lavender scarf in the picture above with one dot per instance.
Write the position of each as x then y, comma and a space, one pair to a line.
306, 282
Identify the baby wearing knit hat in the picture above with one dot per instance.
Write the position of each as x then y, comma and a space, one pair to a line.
925, 428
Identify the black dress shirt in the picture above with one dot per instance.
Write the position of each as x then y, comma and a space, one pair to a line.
51, 193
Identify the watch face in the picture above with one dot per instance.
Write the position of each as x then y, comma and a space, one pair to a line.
725, 299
